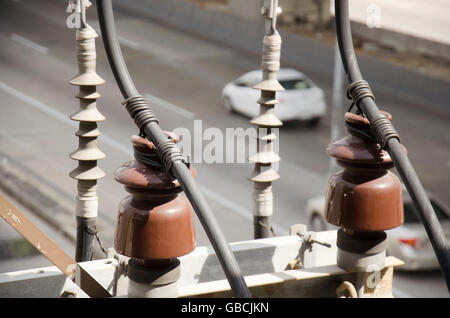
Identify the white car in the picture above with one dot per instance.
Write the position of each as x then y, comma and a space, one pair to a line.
408, 242
302, 99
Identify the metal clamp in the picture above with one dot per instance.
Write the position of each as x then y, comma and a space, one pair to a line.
301, 231
309, 238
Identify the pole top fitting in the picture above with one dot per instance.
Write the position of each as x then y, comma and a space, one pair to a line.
269, 11
80, 9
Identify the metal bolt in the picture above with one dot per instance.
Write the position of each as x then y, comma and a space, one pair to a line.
309, 238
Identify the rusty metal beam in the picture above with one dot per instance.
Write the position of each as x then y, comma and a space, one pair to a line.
50, 249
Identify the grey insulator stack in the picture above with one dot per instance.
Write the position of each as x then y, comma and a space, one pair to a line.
263, 173
87, 173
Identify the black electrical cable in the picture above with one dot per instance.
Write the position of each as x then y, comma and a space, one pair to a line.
113, 51
169, 154
385, 134
84, 249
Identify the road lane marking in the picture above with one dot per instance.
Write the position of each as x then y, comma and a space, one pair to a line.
64, 118
127, 42
28, 43
169, 106
172, 58
238, 209
400, 294
36, 104
127, 151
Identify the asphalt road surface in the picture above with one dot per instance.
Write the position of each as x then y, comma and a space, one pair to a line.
182, 76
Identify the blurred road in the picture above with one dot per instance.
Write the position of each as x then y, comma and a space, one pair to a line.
183, 77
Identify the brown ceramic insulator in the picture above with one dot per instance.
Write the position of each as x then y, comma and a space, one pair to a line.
365, 196
138, 175
154, 222
155, 227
